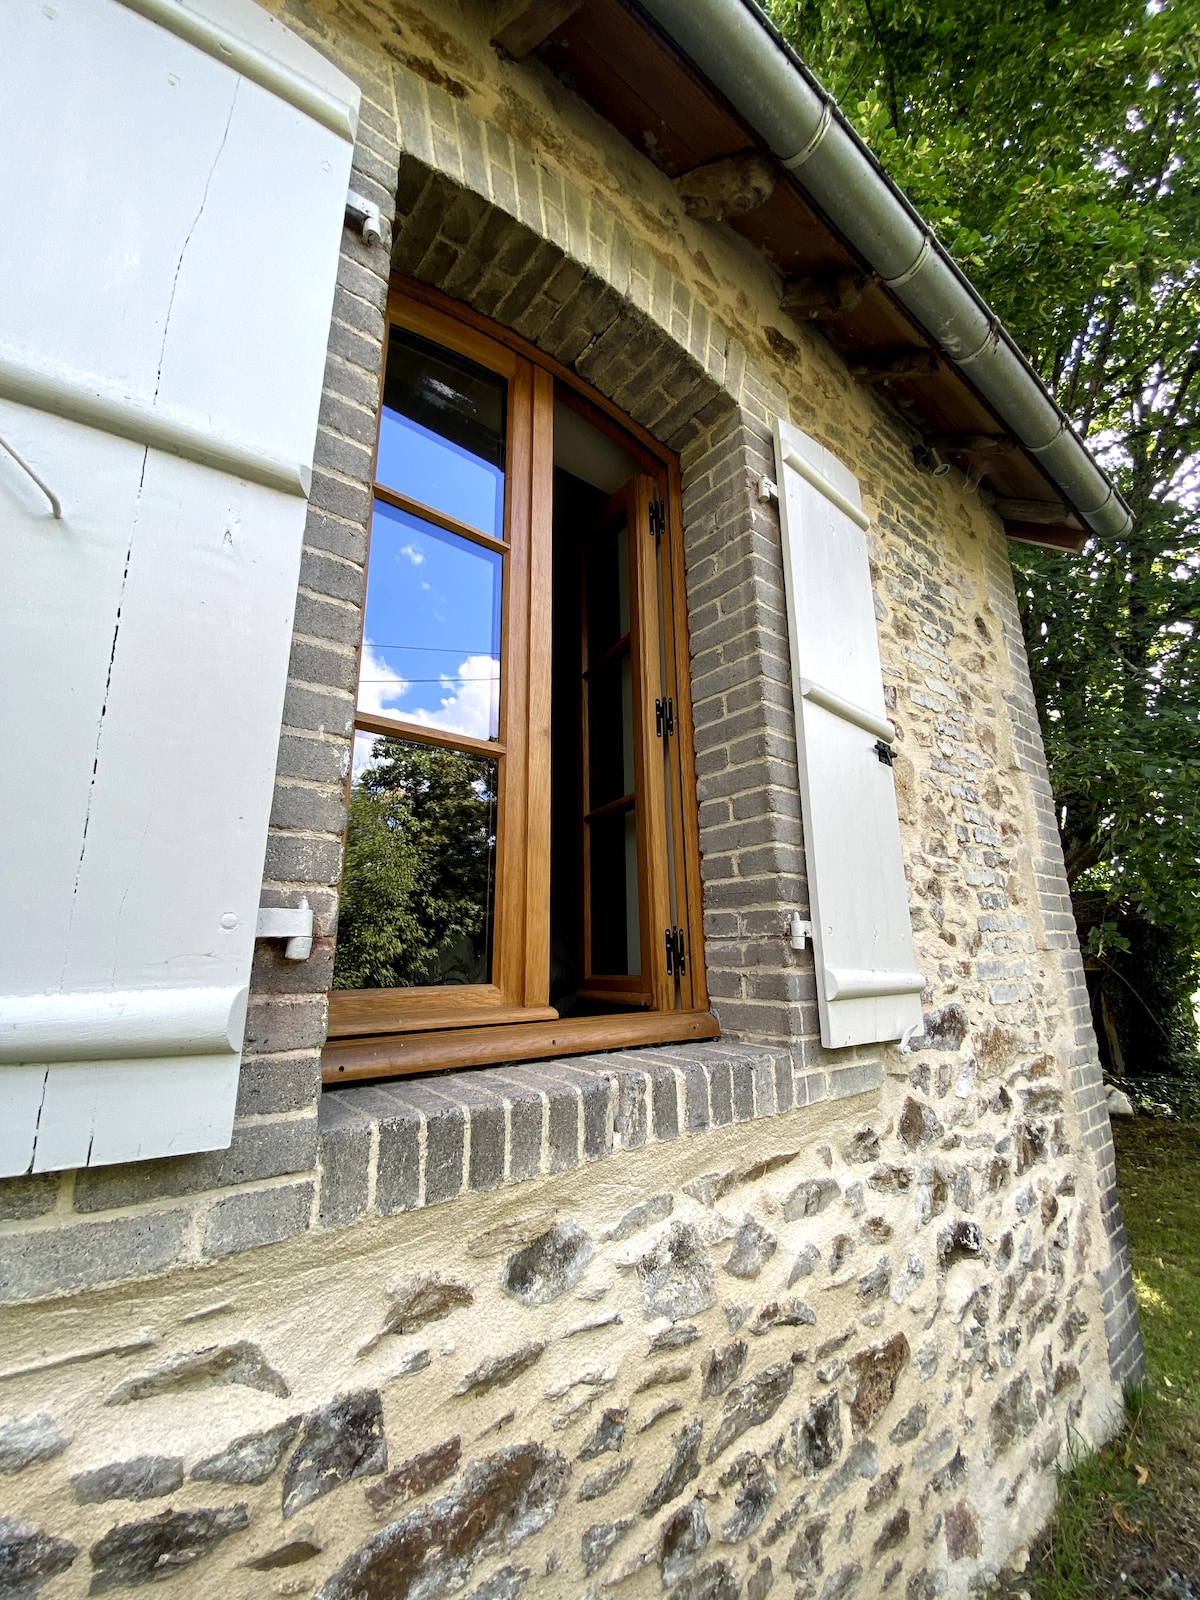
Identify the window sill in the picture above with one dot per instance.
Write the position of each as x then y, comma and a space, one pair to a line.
401, 1055
401, 1146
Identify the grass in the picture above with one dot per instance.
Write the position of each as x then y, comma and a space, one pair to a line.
1128, 1519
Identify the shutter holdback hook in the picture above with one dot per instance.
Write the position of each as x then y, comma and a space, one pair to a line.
55, 502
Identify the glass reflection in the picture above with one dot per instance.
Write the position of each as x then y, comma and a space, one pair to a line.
418, 885
441, 432
616, 932
431, 637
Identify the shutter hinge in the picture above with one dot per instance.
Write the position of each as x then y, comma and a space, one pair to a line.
676, 956
664, 718
365, 215
658, 518
884, 752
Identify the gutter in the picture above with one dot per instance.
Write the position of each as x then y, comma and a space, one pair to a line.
741, 53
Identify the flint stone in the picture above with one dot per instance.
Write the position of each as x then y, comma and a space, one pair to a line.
716, 1581
962, 1242
144, 1478
597, 1484
789, 1313
877, 1369
751, 1403
242, 1363
290, 1554
1071, 1326
884, 1487
887, 1179
758, 1586
893, 1532
134, 1553
753, 1247
754, 1493
805, 1264
1013, 1414
608, 1434
251, 1459
804, 1559
504, 1584
498, 1371
722, 1368
951, 1475
29, 1439
418, 1300
341, 1441
910, 1425
817, 1438
679, 1472
497, 1503
549, 1265
962, 1532
29, 1558
600, 1540
684, 1537
862, 1147
810, 1198
413, 1477
657, 1209
918, 1125
672, 1338
841, 1247
676, 1275
842, 1583
861, 1462
877, 1282
925, 1585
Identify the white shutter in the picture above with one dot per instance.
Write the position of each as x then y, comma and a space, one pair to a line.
171, 205
867, 985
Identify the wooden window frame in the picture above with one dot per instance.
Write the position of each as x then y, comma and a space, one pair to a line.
387, 1032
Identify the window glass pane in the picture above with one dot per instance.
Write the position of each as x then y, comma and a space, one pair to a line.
607, 590
610, 732
431, 638
418, 886
441, 432
616, 934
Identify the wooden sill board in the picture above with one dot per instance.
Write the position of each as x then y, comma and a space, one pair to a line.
401, 1055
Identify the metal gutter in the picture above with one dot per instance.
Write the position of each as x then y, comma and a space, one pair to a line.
742, 54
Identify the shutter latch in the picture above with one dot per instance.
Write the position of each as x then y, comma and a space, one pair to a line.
293, 923
664, 718
658, 519
365, 214
884, 752
676, 958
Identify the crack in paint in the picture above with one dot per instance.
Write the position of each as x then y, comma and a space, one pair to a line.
37, 1127
132, 532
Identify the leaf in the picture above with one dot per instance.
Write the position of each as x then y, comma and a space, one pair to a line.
1125, 1527
1143, 1475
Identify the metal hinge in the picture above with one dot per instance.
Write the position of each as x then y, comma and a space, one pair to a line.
884, 752
676, 957
664, 718
658, 518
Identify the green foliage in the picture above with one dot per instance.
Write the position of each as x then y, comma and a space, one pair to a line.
417, 882
1056, 149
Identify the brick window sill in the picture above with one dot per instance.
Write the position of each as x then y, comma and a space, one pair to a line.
386, 1148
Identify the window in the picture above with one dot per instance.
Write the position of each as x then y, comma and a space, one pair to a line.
520, 875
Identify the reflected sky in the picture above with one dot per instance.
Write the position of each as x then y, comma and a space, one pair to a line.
431, 640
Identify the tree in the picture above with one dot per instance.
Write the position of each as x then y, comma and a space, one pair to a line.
418, 877
1054, 148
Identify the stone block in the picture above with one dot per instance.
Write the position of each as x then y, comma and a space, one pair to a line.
344, 1161
42, 1261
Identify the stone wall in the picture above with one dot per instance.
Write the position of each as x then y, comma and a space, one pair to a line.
838, 1357
852, 1254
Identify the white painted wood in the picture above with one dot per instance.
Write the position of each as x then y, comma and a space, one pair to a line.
160, 366
867, 987
95, 1113
143, 1022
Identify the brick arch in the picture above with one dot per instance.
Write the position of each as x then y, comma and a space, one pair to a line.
576, 299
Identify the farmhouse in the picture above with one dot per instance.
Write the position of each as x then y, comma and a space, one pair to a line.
543, 1049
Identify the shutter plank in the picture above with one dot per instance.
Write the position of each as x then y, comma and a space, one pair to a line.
868, 988
161, 365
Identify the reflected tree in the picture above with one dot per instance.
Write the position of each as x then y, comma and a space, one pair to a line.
418, 878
